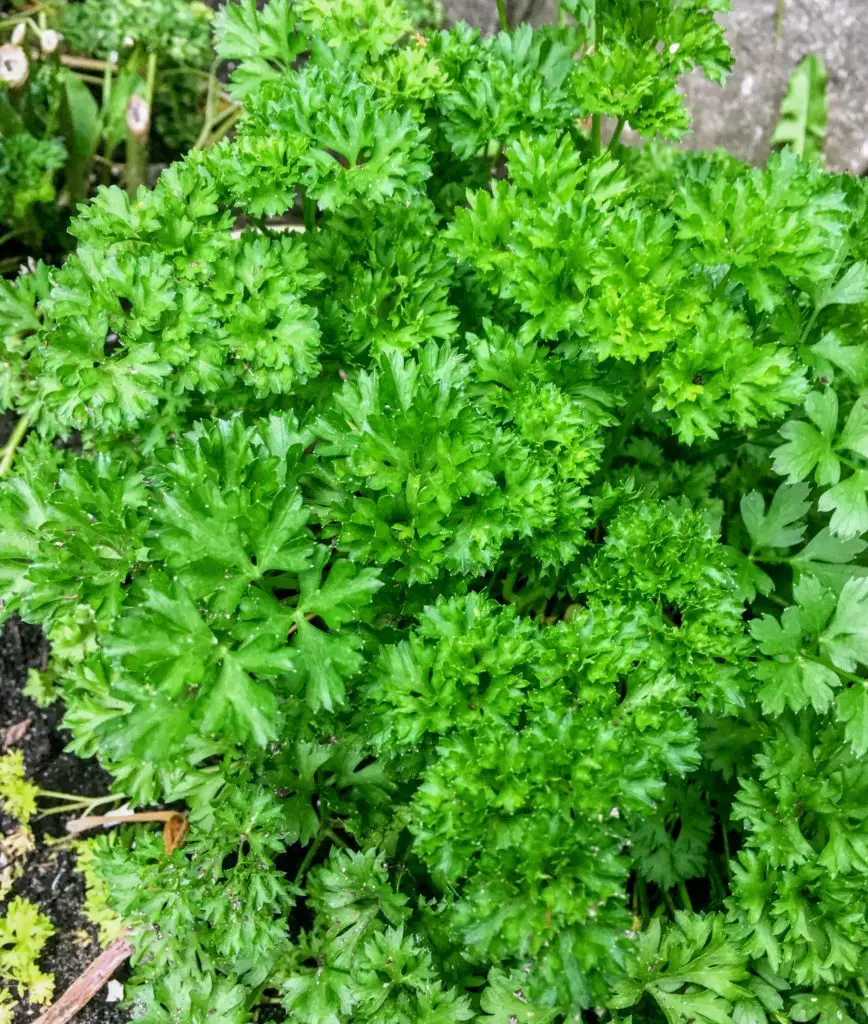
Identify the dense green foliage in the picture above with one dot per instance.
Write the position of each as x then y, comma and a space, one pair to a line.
482, 568
69, 75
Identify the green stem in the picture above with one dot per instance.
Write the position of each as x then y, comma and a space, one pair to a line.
259, 223
138, 145
726, 853
12, 234
15, 439
849, 462
311, 853
336, 839
502, 16
105, 168
616, 134
308, 209
151, 79
205, 138
83, 800
86, 803
226, 122
768, 560
670, 903
718, 889
644, 911
596, 134
810, 324
630, 415
208, 122
685, 896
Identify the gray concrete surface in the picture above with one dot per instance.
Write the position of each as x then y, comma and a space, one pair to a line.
742, 116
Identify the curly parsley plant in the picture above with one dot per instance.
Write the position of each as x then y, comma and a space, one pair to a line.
482, 568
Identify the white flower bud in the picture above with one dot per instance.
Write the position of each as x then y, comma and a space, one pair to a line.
138, 116
14, 66
49, 40
129, 42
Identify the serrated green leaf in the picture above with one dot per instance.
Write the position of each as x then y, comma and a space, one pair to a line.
778, 527
848, 503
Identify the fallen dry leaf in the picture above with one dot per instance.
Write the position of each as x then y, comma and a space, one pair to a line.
14, 734
175, 833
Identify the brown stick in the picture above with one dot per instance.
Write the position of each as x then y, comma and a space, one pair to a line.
96, 820
86, 986
86, 63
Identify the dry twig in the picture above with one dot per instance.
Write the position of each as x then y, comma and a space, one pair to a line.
86, 986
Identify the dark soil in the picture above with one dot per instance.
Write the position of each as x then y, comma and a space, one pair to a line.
50, 879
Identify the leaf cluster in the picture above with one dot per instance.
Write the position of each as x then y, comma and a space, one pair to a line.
482, 568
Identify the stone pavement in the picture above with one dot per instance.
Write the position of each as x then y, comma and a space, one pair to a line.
741, 117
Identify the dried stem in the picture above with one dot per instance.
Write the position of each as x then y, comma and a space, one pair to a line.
87, 63
86, 986
90, 821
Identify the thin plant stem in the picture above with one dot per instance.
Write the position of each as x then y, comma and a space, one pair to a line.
717, 887
685, 896
336, 839
107, 82
138, 143
15, 439
631, 413
308, 210
644, 912
228, 123
83, 804
596, 134
311, 853
670, 903
93, 801
616, 134
205, 139
209, 109
87, 63
502, 16
151, 78
726, 853
90, 79
11, 234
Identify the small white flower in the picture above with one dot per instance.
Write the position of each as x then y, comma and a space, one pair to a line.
14, 66
113, 57
128, 41
614, 813
674, 48
138, 116
49, 40
18, 33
